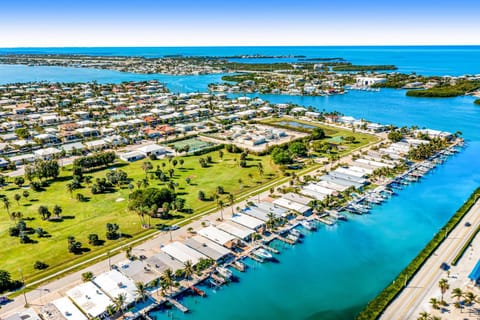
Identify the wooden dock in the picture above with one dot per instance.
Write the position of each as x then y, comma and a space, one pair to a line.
268, 248
178, 305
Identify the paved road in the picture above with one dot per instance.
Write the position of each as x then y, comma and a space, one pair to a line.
57, 288
424, 284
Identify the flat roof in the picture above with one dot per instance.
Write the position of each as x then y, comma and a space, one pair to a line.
138, 271
90, 299
297, 198
247, 221
167, 260
216, 235
182, 252
319, 188
235, 229
114, 283
207, 247
350, 172
28, 314
313, 194
68, 310
292, 205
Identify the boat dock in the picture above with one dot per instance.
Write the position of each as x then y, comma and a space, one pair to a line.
325, 221
177, 305
272, 250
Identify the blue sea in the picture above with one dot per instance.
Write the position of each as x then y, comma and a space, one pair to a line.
336, 270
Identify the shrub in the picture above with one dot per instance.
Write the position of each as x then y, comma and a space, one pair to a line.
39, 265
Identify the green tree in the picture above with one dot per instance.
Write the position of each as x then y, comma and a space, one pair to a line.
17, 198
444, 286
141, 290
188, 269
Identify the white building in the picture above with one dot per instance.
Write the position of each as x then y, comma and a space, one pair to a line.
183, 253
90, 299
151, 149
114, 283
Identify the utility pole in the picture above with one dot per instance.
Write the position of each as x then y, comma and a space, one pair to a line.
24, 288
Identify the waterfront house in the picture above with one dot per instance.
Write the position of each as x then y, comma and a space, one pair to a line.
182, 252
208, 248
113, 283
216, 235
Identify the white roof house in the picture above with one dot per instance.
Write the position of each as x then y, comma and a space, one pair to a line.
90, 299
151, 149
207, 247
27, 314
236, 229
46, 154
292, 205
131, 156
247, 221
114, 283
351, 172
183, 253
68, 310
216, 235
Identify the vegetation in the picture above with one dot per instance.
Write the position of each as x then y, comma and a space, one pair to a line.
460, 88
375, 307
6, 282
477, 101
465, 246
110, 206
352, 67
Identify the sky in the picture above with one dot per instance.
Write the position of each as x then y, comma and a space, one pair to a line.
104, 23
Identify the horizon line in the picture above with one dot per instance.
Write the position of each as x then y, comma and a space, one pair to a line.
246, 46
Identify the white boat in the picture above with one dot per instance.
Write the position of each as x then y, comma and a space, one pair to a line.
308, 225
292, 237
263, 254
224, 272
295, 232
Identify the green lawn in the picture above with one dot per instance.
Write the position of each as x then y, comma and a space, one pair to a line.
333, 134
84, 218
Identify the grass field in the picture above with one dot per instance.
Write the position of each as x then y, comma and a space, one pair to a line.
333, 134
83, 218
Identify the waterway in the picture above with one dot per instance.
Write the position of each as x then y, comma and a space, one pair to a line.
337, 270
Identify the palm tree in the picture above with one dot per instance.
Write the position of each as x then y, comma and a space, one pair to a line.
457, 293
271, 221
240, 183
435, 303
119, 302
141, 290
6, 204
70, 188
167, 278
188, 269
444, 286
470, 297
231, 199
146, 166
220, 206
424, 316
17, 198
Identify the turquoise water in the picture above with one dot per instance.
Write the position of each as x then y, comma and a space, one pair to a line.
20, 73
337, 270
428, 60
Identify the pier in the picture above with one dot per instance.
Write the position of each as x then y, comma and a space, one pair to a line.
177, 305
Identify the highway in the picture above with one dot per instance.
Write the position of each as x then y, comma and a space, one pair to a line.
424, 285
